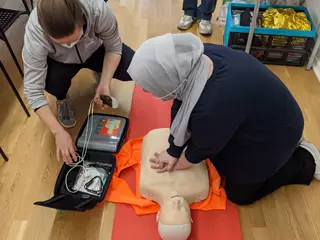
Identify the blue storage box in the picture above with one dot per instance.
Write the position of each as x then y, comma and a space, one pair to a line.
289, 53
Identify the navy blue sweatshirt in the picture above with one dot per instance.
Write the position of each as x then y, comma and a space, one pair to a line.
246, 120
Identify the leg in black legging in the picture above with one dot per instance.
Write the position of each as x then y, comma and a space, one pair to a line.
59, 75
299, 169
59, 78
95, 62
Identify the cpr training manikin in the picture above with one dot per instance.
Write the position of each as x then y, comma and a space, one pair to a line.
174, 191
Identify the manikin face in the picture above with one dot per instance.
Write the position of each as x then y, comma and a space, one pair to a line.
73, 38
174, 219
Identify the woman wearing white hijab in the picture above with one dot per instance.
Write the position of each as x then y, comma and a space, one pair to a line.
230, 108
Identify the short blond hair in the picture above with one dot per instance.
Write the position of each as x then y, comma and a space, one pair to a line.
59, 18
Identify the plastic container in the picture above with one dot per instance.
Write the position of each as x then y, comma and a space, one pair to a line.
271, 46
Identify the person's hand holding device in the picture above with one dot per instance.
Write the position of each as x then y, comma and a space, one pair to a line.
103, 89
65, 147
103, 97
163, 162
110, 64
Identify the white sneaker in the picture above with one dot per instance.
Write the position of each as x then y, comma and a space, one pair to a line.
205, 27
312, 149
186, 22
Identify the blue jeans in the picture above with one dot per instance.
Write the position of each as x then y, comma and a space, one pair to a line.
203, 12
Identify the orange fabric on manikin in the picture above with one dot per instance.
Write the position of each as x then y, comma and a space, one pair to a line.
120, 192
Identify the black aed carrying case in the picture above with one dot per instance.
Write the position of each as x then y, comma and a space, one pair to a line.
108, 131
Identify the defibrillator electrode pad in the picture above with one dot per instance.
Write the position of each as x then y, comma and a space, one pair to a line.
107, 133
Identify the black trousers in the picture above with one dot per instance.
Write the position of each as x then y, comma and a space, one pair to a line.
59, 74
299, 169
203, 12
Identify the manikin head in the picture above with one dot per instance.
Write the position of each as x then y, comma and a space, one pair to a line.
174, 218
62, 20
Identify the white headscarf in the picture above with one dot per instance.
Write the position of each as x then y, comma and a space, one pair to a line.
169, 66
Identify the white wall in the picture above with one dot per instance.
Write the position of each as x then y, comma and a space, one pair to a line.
314, 9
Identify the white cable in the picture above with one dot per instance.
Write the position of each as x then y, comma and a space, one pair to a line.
81, 159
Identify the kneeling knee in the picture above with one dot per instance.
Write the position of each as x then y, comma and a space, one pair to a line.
240, 199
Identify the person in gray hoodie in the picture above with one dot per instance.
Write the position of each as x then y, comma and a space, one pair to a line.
62, 37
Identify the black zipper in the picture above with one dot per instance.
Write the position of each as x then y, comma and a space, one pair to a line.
79, 56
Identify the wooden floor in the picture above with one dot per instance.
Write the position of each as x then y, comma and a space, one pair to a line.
290, 213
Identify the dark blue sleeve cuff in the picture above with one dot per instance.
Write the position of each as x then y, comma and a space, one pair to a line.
193, 155
174, 150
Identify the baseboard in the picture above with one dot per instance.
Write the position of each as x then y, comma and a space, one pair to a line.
316, 68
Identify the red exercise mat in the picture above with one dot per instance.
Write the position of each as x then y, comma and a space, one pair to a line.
148, 113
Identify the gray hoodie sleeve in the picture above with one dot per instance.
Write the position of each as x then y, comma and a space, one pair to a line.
34, 55
106, 27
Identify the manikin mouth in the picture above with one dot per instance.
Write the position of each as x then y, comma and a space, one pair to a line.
175, 195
